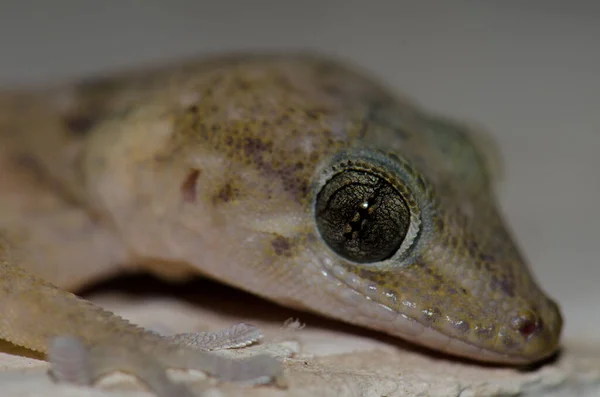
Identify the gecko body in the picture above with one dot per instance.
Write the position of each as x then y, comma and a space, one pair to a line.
293, 177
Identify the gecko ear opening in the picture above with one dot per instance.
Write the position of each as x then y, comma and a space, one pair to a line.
364, 211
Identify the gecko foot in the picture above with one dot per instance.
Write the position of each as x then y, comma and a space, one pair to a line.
73, 362
235, 337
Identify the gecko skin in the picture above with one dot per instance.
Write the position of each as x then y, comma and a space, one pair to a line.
293, 177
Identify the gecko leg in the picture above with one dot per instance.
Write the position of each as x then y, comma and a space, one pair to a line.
34, 313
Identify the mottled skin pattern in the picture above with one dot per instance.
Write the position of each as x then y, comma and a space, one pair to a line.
215, 167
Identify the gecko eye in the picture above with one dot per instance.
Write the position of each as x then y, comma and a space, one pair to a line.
361, 216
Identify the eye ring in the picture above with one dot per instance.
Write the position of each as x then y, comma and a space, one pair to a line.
364, 210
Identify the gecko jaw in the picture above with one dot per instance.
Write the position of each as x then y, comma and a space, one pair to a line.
348, 300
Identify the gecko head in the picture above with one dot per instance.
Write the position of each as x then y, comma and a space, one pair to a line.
418, 252
305, 183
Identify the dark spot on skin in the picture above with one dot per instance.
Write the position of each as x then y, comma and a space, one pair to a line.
24, 160
79, 124
193, 109
472, 247
506, 284
379, 277
313, 113
255, 147
225, 194
291, 182
28, 162
282, 246
461, 326
311, 238
484, 332
451, 290
431, 315
439, 223
419, 262
188, 187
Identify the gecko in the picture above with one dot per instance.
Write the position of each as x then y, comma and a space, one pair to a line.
293, 176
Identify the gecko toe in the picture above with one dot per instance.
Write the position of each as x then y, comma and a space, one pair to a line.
74, 362
235, 337
70, 361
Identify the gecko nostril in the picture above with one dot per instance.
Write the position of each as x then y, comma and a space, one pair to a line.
526, 323
529, 328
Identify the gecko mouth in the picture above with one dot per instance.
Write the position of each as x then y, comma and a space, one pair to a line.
537, 341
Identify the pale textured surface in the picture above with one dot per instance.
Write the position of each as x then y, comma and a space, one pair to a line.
535, 87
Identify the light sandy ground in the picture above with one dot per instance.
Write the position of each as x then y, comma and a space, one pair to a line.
529, 73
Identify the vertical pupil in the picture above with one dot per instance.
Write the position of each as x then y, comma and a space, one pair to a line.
360, 219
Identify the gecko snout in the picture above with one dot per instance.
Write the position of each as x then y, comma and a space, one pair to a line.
539, 328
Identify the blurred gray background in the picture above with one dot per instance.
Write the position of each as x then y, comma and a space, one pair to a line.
528, 71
